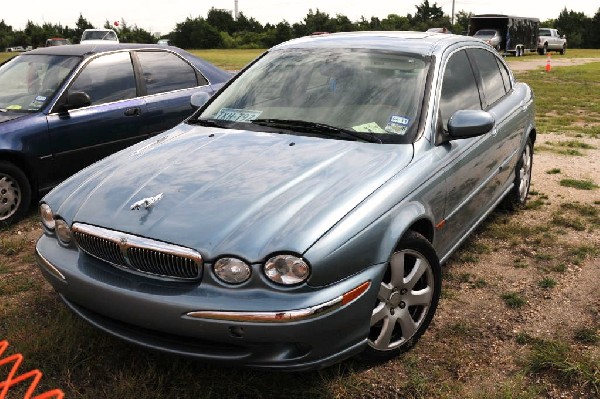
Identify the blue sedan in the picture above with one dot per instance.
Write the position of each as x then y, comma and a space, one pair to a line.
301, 215
65, 107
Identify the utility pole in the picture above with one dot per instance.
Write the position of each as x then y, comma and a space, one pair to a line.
452, 17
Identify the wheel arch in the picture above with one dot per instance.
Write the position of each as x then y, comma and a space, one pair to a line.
20, 161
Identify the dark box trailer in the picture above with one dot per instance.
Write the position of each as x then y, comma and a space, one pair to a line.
519, 34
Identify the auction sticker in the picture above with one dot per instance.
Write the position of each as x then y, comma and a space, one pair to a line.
397, 125
371, 127
237, 115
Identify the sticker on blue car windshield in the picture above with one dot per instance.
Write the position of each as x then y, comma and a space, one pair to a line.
237, 115
371, 127
37, 102
397, 125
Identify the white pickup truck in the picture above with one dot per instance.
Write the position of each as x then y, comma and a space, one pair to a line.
551, 40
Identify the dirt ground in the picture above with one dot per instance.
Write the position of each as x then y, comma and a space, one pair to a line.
533, 62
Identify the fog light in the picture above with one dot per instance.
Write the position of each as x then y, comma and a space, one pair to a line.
47, 216
287, 269
232, 270
63, 232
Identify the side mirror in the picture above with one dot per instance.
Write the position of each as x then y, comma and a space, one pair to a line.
469, 123
77, 99
199, 99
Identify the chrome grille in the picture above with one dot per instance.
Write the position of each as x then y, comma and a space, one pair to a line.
138, 254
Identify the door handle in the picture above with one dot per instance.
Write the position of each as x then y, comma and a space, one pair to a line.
135, 111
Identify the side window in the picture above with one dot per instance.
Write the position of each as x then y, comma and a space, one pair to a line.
493, 84
505, 75
459, 89
107, 78
164, 71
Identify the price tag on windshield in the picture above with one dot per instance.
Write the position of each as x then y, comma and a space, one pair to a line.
237, 115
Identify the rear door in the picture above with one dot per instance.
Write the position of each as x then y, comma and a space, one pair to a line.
113, 121
469, 167
168, 82
503, 103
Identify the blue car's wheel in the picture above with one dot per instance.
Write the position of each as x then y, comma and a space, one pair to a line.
407, 299
517, 197
15, 193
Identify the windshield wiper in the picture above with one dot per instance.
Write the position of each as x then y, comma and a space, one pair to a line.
210, 122
315, 127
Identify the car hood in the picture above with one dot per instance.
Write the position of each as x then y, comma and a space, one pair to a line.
233, 192
9, 116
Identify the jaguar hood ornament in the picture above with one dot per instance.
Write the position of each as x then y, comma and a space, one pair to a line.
146, 203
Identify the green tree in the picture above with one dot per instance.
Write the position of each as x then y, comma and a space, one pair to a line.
245, 24
574, 25
6, 35
318, 22
594, 31
461, 23
222, 20
395, 22
426, 13
81, 25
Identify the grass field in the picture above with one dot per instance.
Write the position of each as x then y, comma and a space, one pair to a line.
496, 333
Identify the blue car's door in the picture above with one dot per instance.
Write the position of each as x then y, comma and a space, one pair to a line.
113, 121
470, 163
168, 82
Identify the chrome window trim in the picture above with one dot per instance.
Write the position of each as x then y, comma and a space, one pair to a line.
85, 61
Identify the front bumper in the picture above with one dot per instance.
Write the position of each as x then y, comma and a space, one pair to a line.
213, 322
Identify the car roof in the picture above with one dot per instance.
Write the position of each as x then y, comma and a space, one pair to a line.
89, 49
211, 72
412, 42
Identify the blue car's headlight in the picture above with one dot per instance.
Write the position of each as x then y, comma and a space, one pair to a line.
287, 269
232, 270
47, 217
63, 232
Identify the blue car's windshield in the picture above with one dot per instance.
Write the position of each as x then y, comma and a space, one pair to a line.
28, 82
364, 91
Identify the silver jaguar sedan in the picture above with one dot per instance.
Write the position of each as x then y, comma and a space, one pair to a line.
301, 215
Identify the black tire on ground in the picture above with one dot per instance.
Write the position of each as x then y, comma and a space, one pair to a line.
407, 298
517, 197
543, 50
15, 194
563, 50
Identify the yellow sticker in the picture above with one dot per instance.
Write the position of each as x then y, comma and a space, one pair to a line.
371, 127
14, 106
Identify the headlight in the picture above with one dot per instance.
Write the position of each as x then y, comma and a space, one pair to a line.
287, 269
47, 216
232, 270
63, 232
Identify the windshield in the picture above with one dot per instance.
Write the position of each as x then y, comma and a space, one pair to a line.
99, 35
485, 33
27, 82
366, 91
545, 32
57, 42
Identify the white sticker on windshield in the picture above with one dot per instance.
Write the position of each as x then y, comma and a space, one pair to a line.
237, 115
397, 125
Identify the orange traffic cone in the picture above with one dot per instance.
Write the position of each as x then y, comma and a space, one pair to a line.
548, 66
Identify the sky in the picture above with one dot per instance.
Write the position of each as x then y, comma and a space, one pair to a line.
162, 16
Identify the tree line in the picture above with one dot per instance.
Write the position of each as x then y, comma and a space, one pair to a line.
219, 29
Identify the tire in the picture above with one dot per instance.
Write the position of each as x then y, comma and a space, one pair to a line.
517, 197
407, 299
563, 50
544, 50
15, 194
